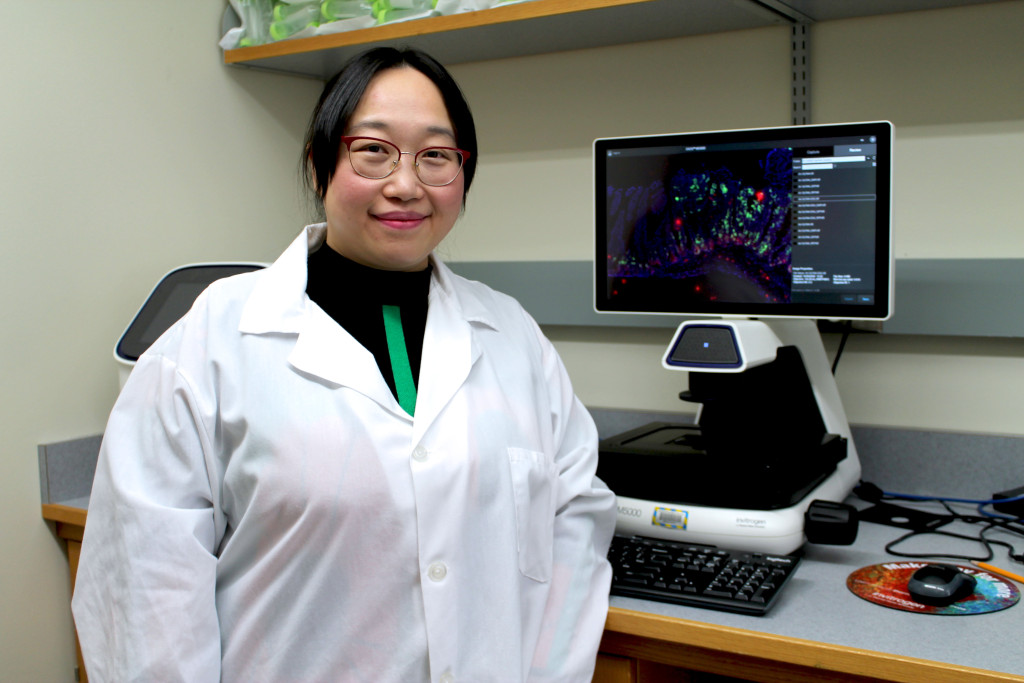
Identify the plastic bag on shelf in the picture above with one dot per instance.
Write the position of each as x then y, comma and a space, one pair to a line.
337, 10
459, 6
255, 22
265, 21
295, 18
391, 11
255, 17
337, 16
342, 25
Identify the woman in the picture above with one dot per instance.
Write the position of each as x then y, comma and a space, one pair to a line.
353, 465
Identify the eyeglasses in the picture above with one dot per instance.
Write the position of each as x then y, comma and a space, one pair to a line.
375, 159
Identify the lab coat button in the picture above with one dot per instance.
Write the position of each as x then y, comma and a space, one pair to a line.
447, 678
437, 571
419, 454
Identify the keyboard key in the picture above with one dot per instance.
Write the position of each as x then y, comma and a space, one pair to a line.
701, 576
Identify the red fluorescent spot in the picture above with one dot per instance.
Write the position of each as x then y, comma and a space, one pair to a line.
759, 195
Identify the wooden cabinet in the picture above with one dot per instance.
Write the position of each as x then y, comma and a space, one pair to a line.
620, 669
615, 669
69, 524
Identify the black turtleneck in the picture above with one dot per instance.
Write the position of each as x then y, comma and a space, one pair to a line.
353, 295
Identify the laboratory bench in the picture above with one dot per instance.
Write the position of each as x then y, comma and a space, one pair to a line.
818, 630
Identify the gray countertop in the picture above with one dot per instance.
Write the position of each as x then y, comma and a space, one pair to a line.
816, 605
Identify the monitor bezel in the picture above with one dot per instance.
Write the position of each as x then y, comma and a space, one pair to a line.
882, 306
135, 339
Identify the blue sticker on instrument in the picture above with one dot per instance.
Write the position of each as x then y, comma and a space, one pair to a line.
670, 518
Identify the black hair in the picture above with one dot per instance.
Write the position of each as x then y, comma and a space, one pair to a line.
342, 94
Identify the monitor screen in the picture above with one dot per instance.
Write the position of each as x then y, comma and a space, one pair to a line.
769, 222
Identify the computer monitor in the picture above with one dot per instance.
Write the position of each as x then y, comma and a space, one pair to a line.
170, 299
791, 222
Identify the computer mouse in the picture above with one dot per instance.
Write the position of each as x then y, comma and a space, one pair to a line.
939, 585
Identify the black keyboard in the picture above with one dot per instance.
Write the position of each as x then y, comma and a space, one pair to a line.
698, 575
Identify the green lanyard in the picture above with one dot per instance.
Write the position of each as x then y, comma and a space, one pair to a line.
405, 386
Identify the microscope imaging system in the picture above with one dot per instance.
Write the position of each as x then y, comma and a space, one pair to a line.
750, 236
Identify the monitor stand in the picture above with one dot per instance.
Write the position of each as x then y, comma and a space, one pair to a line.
771, 437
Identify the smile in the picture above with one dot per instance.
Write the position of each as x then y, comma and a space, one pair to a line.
401, 220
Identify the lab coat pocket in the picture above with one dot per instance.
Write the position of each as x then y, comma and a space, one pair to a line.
534, 479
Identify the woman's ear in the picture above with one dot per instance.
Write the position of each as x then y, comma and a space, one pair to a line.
311, 171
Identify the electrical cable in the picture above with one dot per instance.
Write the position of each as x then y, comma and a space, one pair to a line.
980, 538
890, 547
842, 344
872, 493
946, 499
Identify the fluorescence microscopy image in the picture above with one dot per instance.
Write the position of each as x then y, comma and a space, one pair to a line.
721, 230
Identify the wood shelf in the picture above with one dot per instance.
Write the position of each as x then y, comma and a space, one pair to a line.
64, 514
545, 26
528, 28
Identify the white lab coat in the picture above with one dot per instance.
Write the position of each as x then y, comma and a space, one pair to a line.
264, 511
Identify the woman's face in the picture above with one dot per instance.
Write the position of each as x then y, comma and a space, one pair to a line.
395, 222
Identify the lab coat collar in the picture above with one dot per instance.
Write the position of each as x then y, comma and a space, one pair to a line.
470, 308
278, 302
450, 347
278, 305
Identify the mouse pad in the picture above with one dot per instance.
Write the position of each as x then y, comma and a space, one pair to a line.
886, 584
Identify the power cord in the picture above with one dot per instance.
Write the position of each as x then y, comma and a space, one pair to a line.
847, 326
871, 493
986, 542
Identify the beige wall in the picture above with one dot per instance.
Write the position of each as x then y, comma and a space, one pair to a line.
126, 149
952, 82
